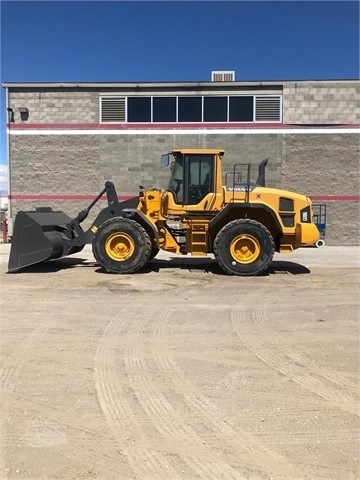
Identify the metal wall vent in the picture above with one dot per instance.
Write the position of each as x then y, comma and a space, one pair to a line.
113, 109
267, 109
222, 76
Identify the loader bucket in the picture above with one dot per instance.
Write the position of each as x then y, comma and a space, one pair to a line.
39, 236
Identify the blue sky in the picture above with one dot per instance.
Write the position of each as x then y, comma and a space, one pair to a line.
90, 41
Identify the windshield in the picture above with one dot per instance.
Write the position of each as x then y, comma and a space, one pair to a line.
176, 181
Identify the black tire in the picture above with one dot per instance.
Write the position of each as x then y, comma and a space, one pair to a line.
244, 247
121, 245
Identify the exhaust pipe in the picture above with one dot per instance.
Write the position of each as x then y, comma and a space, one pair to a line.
261, 178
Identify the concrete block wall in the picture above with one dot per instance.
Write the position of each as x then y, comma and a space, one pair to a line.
49, 165
321, 103
321, 164
132, 160
56, 106
325, 165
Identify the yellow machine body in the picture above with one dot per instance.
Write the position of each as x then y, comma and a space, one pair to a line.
287, 215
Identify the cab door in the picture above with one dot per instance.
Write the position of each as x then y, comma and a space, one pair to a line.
191, 182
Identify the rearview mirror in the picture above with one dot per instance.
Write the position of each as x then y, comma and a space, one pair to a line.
165, 160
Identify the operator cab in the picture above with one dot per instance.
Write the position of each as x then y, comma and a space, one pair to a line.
192, 176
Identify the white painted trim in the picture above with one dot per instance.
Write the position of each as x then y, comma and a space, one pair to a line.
180, 131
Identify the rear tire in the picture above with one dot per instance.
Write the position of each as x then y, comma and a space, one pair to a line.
244, 247
121, 245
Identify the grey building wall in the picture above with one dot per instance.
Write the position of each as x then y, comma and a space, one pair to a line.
321, 102
56, 105
327, 165
305, 102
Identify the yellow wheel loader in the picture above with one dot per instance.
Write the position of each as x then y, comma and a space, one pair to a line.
242, 223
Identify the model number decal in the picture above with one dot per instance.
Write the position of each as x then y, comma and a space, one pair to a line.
305, 215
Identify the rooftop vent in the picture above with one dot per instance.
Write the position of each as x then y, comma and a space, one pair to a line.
223, 76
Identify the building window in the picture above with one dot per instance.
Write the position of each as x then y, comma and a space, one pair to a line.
241, 109
139, 109
164, 109
182, 109
189, 109
215, 109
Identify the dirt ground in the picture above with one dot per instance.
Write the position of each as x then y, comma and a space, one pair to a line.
180, 371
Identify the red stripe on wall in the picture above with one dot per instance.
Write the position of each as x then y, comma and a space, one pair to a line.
150, 126
132, 126
65, 198
90, 198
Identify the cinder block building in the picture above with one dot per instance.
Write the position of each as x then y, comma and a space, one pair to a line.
66, 139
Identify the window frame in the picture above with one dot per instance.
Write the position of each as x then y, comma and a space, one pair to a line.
203, 97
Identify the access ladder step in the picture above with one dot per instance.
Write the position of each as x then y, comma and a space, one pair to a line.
198, 237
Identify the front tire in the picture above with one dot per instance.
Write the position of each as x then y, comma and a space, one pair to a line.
121, 245
244, 247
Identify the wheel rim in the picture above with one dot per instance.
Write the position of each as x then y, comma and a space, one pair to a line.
119, 246
245, 249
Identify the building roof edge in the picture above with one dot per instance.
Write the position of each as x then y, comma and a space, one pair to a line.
162, 84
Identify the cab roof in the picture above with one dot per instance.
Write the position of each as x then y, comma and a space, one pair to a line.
198, 151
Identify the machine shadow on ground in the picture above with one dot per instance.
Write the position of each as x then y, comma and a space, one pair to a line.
209, 265
206, 265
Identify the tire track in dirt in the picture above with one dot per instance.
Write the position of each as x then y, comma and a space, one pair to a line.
222, 433
113, 390
152, 418
36, 411
306, 437
260, 317
245, 323
16, 405
141, 405
39, 418
178, 432
199, 402
12, 366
